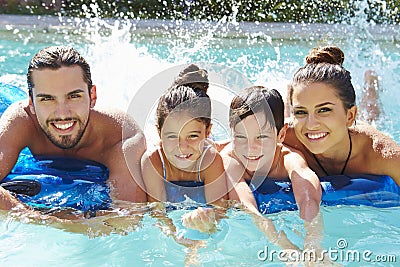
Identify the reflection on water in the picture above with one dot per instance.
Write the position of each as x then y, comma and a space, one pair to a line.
236, 243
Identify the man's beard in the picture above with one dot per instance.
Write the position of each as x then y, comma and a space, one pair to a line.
65, 141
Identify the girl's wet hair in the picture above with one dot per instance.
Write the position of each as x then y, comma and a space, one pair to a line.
188, 93
324, 65
55, 57
258, 99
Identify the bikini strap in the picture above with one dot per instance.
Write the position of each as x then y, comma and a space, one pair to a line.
163, 164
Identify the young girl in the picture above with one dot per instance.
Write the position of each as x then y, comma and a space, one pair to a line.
323, 104
185, 164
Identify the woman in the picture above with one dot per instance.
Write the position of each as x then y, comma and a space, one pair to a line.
324, 127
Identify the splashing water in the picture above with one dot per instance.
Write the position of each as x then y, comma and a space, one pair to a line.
125, 54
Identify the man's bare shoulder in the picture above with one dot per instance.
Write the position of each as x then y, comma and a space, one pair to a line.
17, 114
115, 119
17, 128
109, 115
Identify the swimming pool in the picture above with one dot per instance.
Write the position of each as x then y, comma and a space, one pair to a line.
124, 56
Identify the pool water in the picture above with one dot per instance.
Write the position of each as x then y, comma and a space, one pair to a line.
123, 59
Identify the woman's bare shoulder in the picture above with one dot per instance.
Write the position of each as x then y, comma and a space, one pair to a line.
291, 139
368, 137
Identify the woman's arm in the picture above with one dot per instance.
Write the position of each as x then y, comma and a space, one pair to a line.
305, 183
386, 157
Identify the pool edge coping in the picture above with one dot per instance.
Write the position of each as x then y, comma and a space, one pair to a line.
275, 30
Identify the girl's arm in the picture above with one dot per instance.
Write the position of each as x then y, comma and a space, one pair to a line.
153, 181
155, 188
305, 183
215, 185
216, 193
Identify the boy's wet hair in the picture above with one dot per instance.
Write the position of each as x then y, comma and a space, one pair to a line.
258, 99
324, 65
55, 57
188, 93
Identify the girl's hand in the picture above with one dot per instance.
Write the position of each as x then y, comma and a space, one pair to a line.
201, 219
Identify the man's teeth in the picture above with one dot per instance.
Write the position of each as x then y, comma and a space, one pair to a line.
316, 136
63, 126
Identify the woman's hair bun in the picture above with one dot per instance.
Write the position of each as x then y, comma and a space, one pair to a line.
326, 54
193, 77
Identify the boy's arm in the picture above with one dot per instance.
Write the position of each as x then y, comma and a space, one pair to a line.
242, 193
237, 186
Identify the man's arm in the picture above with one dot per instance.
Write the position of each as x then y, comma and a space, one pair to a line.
124, 164
126, 181
7, 201
154, 182
16, 130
